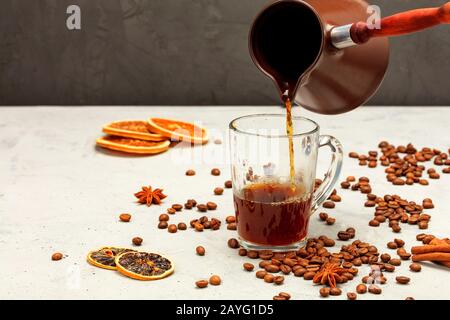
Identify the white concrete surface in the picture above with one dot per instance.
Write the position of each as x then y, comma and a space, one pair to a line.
59, 193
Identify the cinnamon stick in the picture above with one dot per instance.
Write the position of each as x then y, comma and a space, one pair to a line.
430, 249
433, 256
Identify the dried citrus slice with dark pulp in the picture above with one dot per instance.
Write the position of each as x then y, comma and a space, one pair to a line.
144, 265
179, 130
136, 129
130, 145
105, 257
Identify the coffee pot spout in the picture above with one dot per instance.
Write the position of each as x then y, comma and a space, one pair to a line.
395, 25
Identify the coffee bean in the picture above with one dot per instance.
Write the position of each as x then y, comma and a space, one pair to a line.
279, 298
323, 216
272, 268
385, 257
248, 266
285, 295
345, 185
163, 225
351, 231
366, 189
335, 291
57, 256
233, 243
361, 288
335, 198
215, 172
278, 280
428, 205
402, 279
199, 227
410, 298
330, 221
252, 254
137, 241
200, 250
261, 274
343, 235
395, 262
446, 170
190, 172
362, 162
328, 204
374, 223
423, 182
309, 275
125, 217
228, 184
215, 280
299, 272
218, 191
188, 205
242, 252
285, 269
353, 155
389, 268
164, 217
374, 289
232, 226
172, 228
211, 205
329, 242
171, 210
350, 179
423, 225
192, 201
269, 278
230, 219
398, 182
396, 228
415, 267
369, 204
324, 292
351, 296
434, 175
202, 283
202, 208
182, 226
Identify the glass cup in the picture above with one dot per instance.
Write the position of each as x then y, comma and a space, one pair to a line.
272, 206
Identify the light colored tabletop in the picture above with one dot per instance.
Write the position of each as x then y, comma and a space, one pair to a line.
58, 192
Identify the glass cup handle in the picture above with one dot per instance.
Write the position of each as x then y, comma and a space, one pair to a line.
332, 176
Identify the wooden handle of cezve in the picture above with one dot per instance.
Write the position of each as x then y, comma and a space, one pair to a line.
402, 23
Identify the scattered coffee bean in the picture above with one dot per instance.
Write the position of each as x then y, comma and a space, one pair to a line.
190, 172
335, 291
324, 292
353, 155
242, 252
57, 256
392, 245
278, 280
228, 184
163, 225
330, 221
415, 267
328, 204
230, 219
361, 288
285, 295
232, 226
309, 275
164, 217
261, 274
125, 217
218, 191
202, 207
343, 235
374, 289
374, 223
370, 204
402, 279
177, 207
335, 198
272, 268
172, 228
400, 243
188, 205
137, 241
199, 227
200, 250
345, 185
215, 172
410, 298
171, 211
395, 262
323, 216
182, 226
351, 296
211, 205
215, 280
269, 278
233, 243
202, 283
248, 266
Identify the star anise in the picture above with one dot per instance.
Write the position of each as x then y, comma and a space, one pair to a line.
328, 274
148, 196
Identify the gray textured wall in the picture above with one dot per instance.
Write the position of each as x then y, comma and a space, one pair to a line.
176, 52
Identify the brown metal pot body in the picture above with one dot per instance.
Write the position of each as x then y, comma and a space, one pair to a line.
339, 80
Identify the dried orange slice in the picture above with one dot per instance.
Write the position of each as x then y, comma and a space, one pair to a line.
105, 257
144, 265
135, 129
179, 130
133, 145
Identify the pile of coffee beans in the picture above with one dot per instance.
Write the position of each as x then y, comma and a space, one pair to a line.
405, 170
396, 210
205, 223
363, 184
